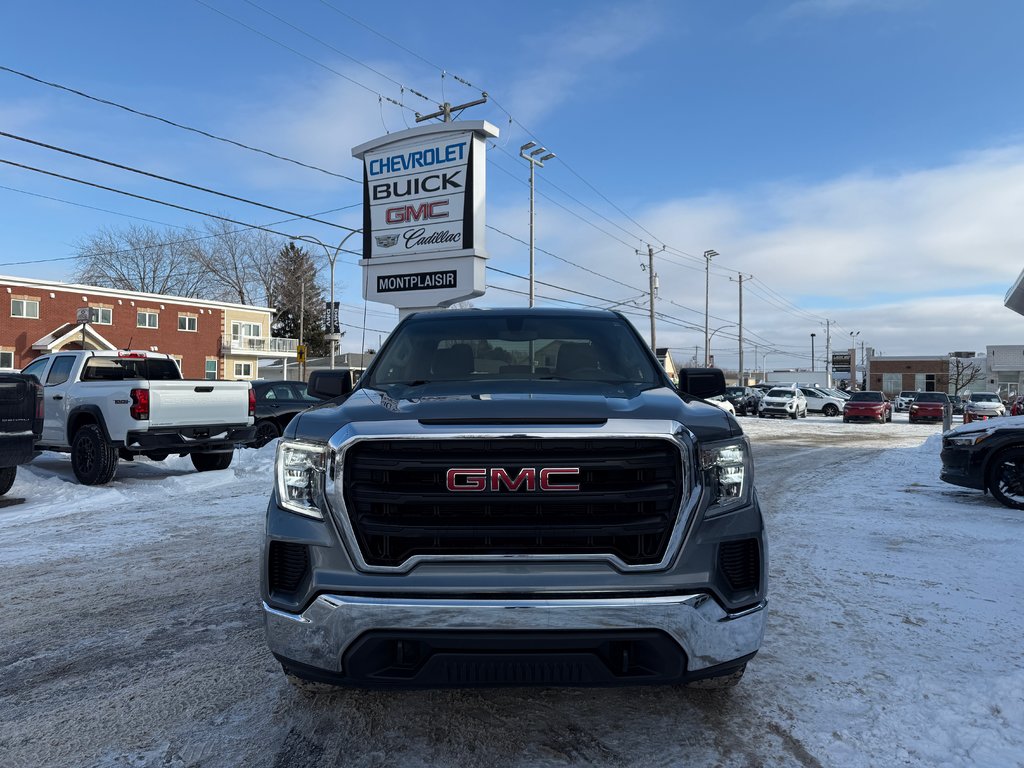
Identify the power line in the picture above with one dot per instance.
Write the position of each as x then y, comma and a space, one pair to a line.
310, 59
174, 124
339, 51
153, 200
129, 168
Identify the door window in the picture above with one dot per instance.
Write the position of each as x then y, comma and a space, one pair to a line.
60, 370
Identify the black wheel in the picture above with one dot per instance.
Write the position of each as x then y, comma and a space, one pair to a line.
803, 414
794, 415
719, 683
830, 410
208, 462
1005, 478
266, 431
7, 479
92, 459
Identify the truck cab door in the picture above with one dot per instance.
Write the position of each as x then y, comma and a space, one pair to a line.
55, 402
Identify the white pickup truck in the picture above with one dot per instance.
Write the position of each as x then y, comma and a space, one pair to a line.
101, 406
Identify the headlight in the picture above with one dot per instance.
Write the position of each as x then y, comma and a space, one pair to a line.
728, 474
300, 469
970, 438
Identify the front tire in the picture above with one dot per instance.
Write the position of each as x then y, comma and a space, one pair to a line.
830, 410
209, 462
7, 479
1005, 478
93, 460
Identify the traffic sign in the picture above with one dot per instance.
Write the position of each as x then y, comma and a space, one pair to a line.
300, 353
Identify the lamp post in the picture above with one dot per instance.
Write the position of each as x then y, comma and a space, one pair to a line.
853, 359
332, 257
764, 366
812, 353
708, 256
535, 163
708, 354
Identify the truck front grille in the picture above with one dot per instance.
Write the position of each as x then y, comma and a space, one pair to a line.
399, 505
740, 562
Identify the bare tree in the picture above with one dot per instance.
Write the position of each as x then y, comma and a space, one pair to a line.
963, 372
141, 258
242, 262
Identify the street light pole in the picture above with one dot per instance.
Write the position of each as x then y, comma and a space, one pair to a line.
332, 257
707, 349
535, 162
812, 353
708, 255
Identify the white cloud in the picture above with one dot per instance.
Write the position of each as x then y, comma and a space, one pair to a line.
918, 262
567, 56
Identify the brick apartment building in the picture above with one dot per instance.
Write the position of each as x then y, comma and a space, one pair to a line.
209, 339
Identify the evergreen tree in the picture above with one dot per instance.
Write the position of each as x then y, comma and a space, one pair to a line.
295, 275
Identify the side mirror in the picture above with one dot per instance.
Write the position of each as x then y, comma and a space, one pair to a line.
702, 382
330, 384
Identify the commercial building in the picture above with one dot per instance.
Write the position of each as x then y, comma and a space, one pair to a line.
893, 375
209, 339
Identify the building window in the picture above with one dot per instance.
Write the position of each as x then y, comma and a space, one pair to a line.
239, 330
892, 383
147, 319
25, 308
211, 368
179, 361
101, 315
6, 359
188, 323
243, 370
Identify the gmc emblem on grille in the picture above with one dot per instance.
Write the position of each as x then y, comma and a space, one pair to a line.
497, 478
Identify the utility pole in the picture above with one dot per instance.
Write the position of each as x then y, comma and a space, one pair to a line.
302, 318
812, 353
740, 278
828, 352
708, 256
653, 280
445, 110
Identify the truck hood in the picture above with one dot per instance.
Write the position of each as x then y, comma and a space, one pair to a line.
463, 406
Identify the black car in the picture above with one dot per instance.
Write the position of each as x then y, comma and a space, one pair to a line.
21, 423
743, 399
986, 455
276, 403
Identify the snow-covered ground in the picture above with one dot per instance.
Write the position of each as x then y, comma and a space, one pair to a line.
131, 631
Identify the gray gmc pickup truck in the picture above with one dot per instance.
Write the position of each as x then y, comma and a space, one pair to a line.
514, 497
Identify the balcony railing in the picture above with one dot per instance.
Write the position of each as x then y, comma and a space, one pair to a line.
260, 345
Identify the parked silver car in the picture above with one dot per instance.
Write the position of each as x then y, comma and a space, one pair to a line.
784, 401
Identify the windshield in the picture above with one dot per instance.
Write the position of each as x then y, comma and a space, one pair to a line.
905, 395
985, 397
514, 347
736, 391
781, 393
930, 397
866, 397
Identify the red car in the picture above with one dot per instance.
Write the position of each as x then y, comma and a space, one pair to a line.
868, 405
928, 406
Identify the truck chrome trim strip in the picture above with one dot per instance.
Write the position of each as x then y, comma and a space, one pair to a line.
323, 632
740, 614
671, 431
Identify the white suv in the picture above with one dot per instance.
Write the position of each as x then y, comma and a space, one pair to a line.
783, 401
822, 402
903, 400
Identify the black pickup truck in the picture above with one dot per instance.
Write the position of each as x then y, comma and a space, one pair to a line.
515, 497
21, 423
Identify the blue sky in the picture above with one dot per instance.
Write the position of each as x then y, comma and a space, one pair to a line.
864, 160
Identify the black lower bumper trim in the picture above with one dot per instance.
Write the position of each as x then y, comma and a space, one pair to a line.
190, 440
421, 659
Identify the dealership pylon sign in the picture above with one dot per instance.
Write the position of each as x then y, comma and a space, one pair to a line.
423, 215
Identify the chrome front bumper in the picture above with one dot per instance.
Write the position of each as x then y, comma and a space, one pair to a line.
320, 635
